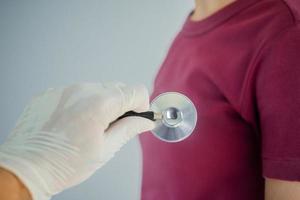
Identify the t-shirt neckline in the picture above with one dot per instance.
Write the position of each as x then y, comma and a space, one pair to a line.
199, 27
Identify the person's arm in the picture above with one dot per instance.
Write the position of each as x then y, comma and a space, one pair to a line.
278, 103
281, 190
11, 188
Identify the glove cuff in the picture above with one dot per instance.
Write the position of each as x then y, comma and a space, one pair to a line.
26, 174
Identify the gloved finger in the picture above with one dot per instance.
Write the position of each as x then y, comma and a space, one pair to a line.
113, 84
136, 98
79, 91
125, 129
122, 99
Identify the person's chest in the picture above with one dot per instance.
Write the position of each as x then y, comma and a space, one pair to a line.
222, 154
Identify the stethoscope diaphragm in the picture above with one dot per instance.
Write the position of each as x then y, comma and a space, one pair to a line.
178, 117
174, 114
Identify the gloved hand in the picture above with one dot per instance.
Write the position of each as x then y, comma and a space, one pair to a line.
65, 135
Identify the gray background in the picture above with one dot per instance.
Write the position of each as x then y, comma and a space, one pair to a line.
52, 43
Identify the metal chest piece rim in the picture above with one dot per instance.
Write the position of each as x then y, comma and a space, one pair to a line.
178, 117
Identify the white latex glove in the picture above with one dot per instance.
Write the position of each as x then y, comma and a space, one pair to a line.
65, 135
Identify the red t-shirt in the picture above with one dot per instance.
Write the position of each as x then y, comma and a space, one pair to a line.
241, 68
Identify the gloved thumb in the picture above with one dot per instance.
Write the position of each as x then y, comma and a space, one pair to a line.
121, 131
128, 127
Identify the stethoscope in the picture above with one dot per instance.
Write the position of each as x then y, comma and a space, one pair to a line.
174, 114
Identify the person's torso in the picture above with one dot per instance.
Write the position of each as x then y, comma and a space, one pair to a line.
211, 65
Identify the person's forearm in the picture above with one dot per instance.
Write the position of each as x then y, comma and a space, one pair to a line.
11, 188
276, 189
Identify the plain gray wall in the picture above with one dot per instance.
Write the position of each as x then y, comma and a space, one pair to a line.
52, 43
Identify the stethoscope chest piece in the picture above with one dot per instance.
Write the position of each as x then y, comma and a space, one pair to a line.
178, 116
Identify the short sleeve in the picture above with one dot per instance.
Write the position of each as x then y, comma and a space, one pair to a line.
278, 103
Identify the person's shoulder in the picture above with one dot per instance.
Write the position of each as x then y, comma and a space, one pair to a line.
275, 16
284, 23
282, 44
273, 20
294, 8
279, 11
